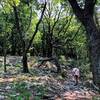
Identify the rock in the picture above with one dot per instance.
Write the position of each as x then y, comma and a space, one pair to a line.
64, 74
1, 60
58, 97
66, 94
46, 97
91, 93
8, 87
77, 92
2, 97
66, 88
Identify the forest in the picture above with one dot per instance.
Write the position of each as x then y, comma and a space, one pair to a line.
41, 42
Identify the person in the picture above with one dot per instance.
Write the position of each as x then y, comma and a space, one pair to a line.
76, 75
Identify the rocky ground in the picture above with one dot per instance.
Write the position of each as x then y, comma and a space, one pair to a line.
56, 87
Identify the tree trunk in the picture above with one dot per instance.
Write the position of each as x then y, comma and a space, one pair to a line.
4, 53
5, 69
25, 66
49, 34
49, 41
49, 46
43, 46
57, 65
93, 36
13, 44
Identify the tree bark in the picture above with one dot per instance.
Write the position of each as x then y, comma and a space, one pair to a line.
43, 45
5, 52
93, 36
13, 46
49, 40
49, 44
43, 41
25, 67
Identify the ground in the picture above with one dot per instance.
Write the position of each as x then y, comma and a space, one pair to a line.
41, 83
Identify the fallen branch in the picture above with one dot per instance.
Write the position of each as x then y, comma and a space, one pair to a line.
44, 60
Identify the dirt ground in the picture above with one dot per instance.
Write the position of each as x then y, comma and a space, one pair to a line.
56, 86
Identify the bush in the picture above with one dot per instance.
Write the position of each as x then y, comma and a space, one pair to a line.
21, 92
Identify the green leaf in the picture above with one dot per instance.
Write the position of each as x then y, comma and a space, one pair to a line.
57, 1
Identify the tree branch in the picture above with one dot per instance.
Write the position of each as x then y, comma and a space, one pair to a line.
73, 37
36, 29
56, 20
76, 9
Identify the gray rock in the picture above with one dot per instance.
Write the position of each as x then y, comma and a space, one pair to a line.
2, 97
8, 87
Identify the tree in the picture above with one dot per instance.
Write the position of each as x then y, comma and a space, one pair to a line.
20, 15
5, 32
85, 15
25, 66
26, 48
54, 25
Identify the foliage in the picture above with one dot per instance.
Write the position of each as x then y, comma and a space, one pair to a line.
21, 90
40, 90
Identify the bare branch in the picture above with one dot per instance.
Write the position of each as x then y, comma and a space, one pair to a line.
68, 24
36, 29
73, 37
56, 20
43, 27
64, 25
46, 18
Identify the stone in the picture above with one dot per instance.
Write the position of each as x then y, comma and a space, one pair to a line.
8, 87
2, 97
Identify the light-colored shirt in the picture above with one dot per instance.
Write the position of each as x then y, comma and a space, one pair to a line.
75, 71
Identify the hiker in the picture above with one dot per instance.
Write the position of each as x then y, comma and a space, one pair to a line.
76, 75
